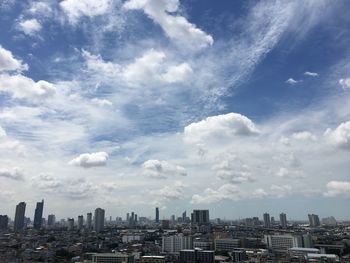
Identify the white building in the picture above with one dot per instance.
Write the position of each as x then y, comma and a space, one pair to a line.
283, 242
176, 243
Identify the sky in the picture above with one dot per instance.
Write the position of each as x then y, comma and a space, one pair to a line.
239, 107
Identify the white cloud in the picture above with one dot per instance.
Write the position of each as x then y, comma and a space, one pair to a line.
29, 27
172, 192
340, 137
304, 135
96, 64
220, 127
101, 102
345, 83
88, 160
162, 169
311, 74
2, 133
13, 173
176, 27
292, 81
224, 192
75, 9
177, 73
21, 87
337, 188
9, 63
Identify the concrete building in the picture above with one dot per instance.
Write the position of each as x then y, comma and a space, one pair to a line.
113, 258
153, 259
80, 222
287, 241
197, 255
267, 222
19, 217
99, 220
200, 217
4, 221
51, 220
157, 215
38, 215
283, 220
176, 243
89, 221
70, 224
227, 244
314, 220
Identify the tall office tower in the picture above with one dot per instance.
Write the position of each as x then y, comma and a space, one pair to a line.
70, 224
283, 220
200, 217
127, 217
184, 216
267, 222
80, 222
173, 218
89, 221
38, 214
4, 222
51, 219
314, 220
133, 216
157, 214
19, 217
99, 219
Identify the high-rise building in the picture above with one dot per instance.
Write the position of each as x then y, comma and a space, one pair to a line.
89, 221
38, 214
200, 217
267, 222
283, 220
184, 216
70, 224
51, 219
314, 220
4, 221
99, 219
176, 243
157, 214
80, 222
19, 216
127, 217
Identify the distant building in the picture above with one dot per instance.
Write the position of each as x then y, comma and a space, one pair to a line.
70, 224
200, 217
283, 220
197, 255
19, 217
51, 220
89, 221
239, 255
112, 258
38, 215
157, 214
4, 221
176, 243
287, 241
267, 222
165, 224
184, 217
227, 244
99, 220
314, 220
153, 259
80, 222
329, 221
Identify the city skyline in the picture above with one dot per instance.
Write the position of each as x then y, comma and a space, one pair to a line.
239, 107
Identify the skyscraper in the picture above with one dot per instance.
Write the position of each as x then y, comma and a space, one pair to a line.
51, 219
314, 220
184, 216
38, 216
4, 221
19, 217
267, 222
99, 219
200, 217
283, 220
70, 224
157, 214
89, 221
80, 222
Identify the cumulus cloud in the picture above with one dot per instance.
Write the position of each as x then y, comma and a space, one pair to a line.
29, 27
90, 8
224, 192
345, 83
14, 173
340, 137
177, 73
304, 135
311, 74
2, 133
21, 87
176, 27
88, 160
220, 127
172, 192
292, 81
96, 64
101, 102
9, 63
162, 169
337, 188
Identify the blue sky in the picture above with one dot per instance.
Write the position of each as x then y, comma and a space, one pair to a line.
241, 107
